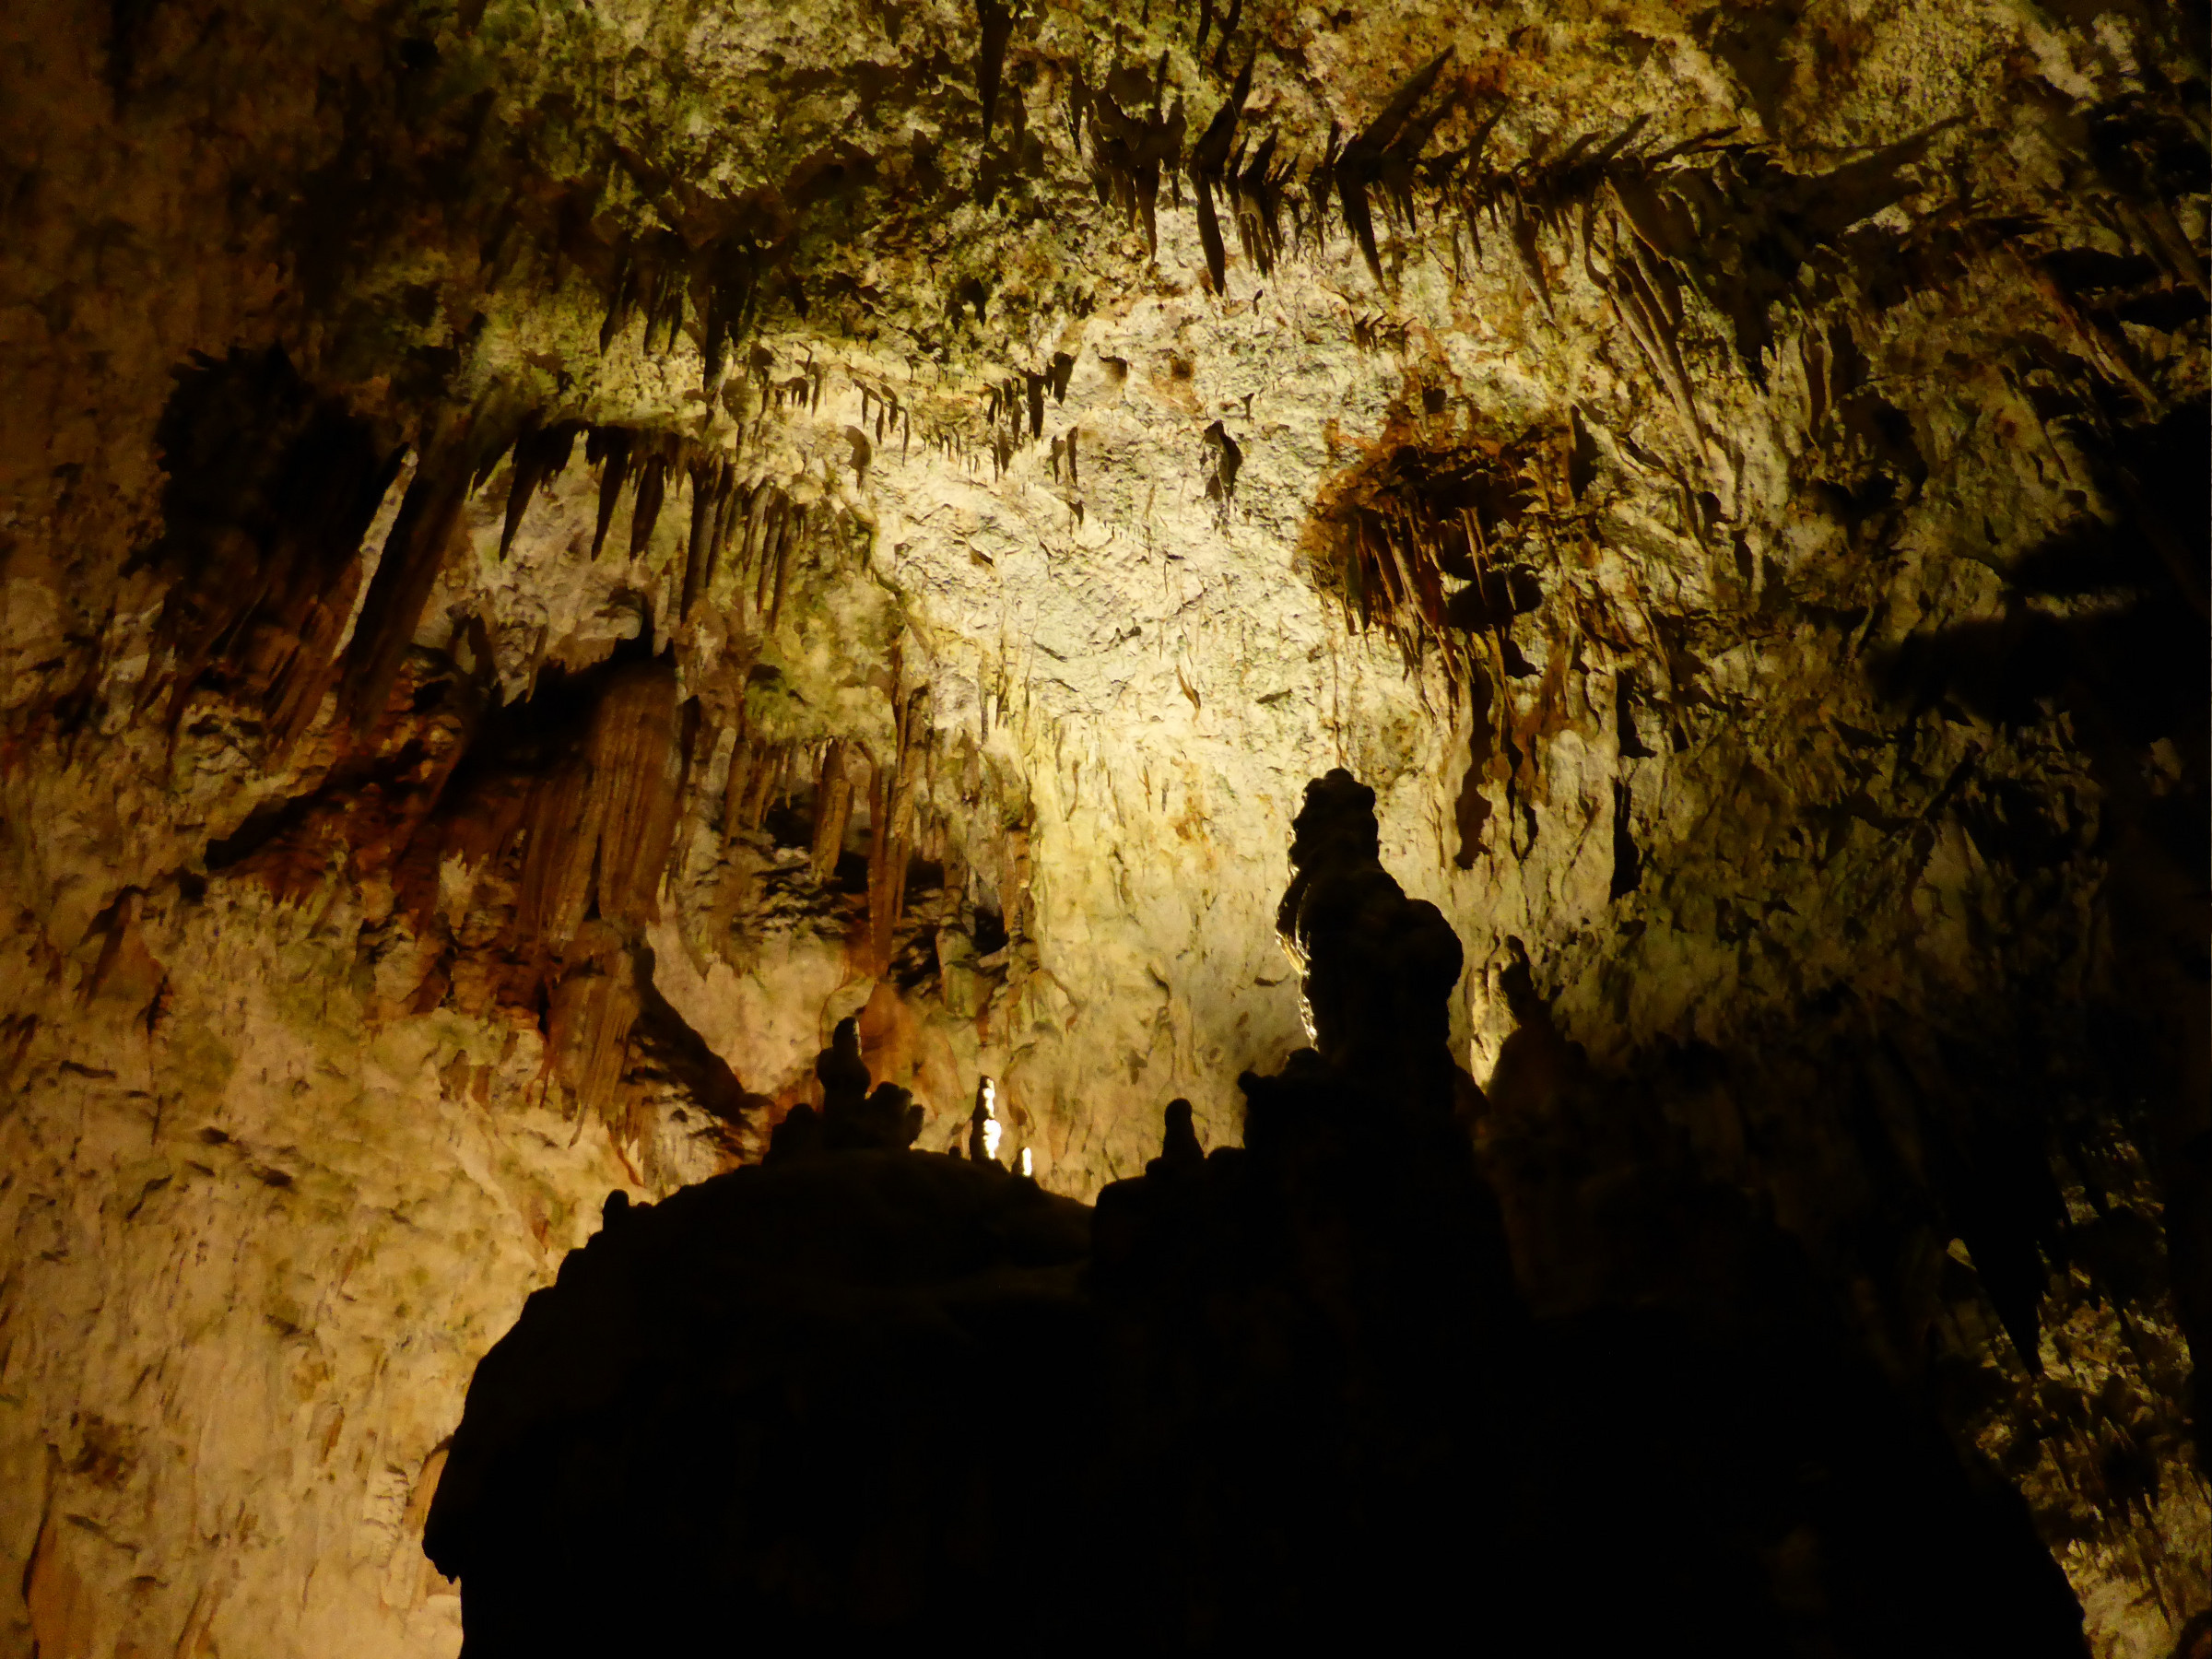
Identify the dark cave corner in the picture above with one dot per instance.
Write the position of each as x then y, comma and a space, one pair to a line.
2104, 630
1294, 1389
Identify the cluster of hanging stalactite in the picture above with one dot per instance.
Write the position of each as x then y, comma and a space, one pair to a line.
1410, 543
1643, 224
1636, 235
903, 822
690, 258
526, 843
272, 498
540, 865
711, 259
1017, 402
764, 523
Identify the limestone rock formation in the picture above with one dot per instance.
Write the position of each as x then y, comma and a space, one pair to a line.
550, 556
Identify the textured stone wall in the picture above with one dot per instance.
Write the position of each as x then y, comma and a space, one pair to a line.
682, 527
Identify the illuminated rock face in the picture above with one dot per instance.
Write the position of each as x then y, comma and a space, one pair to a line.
682, 531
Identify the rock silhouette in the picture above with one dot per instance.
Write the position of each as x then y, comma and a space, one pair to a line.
793, 1405
1378, 968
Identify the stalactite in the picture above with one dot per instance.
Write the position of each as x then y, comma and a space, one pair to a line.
710, 485
729, 505
621, 297
756, 781
1320, 186
787, 545
664, 302
652, 487
731, 277
893, 792
1384, 156
589, 1015
1258, 188
749, 502
832, 806
413, 555
561, 827
995, 29
776, 781
608, 448
301, 681
1416, 516
736, 786
771, 508
1209, 165
599, 827
1129, 151
540, 457
1639, 297
634, 763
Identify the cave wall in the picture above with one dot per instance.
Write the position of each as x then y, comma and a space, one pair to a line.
552, 554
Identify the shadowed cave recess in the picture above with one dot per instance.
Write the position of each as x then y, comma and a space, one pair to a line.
656, 662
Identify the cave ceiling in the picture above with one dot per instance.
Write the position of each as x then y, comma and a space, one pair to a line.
552, 551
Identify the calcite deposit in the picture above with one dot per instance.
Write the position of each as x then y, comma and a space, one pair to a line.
550, 554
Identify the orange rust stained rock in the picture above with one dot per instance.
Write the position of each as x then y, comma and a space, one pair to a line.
633, 765
561, 850
1422, 506
588, 1018
64, 1620
599, 827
